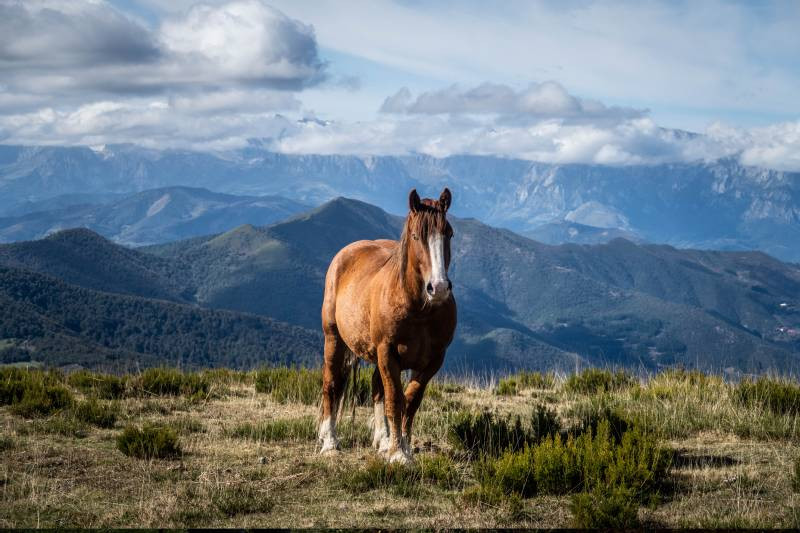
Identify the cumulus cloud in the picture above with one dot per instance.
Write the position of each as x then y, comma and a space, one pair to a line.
539, 100
67, 35
79, 50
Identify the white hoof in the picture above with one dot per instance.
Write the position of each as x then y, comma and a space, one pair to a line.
327, 436
402, 457
383, 444
330, 450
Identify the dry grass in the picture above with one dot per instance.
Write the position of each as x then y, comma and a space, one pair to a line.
734, 465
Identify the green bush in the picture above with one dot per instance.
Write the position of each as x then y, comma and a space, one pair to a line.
39, 399
33, 393
149, 442
778, 397
582, 463
297, 429
400, 480
172, 382
441, 470
103, 386
95, 413
594, 380
487, 434
506, 387
614, 507
524, 379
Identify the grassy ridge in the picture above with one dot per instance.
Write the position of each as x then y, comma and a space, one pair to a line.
592, 450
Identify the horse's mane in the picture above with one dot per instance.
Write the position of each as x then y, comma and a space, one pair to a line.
429, 217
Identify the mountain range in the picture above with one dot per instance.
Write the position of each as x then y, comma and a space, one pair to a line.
522, 303
707, 205
147, 217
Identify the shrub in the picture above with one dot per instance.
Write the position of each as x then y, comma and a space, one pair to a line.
441, 470
401, 480
172, 382
33, 393
95, 413
777, 396
506, 387
487, 434
582, 463
304, 428
103, 386
524, 380
594, 380
39, 399
149, 442
614, 507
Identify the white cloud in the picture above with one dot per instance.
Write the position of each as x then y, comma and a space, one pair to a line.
538, 100
82, 50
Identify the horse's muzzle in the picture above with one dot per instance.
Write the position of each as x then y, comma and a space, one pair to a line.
438, 290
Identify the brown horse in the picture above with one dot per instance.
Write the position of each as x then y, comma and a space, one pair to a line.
389, 303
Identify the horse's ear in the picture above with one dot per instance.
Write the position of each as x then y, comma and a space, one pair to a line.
414, 203
444, 199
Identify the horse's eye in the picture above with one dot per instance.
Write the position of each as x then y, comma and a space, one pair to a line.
414, 236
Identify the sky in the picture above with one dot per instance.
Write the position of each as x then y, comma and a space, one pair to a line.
616, 83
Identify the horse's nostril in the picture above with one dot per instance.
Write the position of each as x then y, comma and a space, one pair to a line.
449, 285
429, 288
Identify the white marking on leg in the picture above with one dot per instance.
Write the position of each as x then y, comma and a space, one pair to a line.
380, 435
327, 435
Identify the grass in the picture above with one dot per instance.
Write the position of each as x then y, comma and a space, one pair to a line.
483, 459
102, 415
515, 383
296, 429
594, 380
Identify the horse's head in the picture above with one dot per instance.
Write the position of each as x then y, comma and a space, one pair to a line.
428, 235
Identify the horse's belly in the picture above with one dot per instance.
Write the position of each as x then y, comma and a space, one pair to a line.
352, 322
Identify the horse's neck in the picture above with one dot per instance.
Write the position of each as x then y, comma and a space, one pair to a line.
410, 281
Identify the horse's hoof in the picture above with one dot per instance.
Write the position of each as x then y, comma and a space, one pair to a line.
383, 444
330, 452
401, 457
329, 448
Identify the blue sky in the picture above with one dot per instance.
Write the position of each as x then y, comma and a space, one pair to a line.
571, 81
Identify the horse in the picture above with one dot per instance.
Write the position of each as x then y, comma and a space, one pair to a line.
389, 303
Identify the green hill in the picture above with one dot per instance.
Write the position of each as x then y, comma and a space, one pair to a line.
46, 320
522, 304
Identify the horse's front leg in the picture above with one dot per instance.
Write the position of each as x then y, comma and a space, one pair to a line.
380, 424
414, 392
395, 402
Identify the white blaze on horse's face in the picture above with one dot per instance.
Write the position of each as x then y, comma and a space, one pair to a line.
438, 287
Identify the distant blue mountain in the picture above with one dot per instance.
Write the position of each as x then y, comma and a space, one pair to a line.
717, 205
148, 217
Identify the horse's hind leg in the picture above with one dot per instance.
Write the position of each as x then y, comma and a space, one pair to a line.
334, 379
380, 424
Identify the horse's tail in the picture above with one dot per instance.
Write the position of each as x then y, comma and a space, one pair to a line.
350, 363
